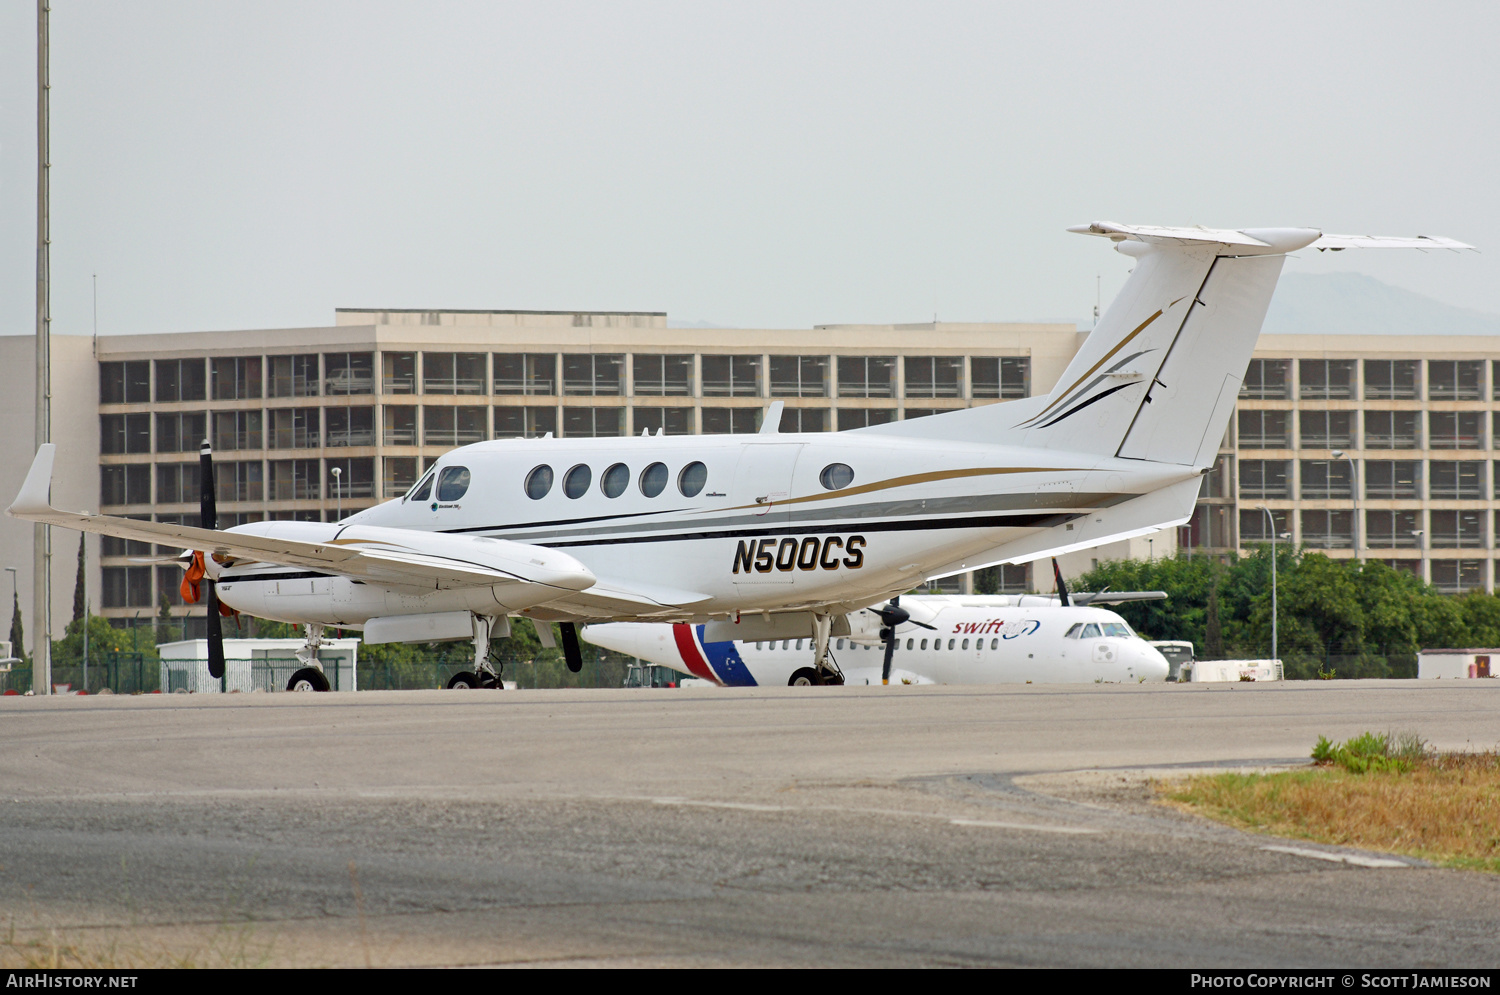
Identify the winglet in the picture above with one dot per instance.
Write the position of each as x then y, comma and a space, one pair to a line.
34, 496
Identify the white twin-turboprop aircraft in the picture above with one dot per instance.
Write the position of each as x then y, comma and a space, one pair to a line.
777, 535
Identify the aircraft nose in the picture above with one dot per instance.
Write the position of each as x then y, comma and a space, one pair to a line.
1150, 664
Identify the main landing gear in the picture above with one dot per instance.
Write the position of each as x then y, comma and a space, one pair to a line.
310, 676
824, 670
486, 672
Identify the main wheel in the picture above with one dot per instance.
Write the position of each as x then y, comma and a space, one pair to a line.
806, 677
463, 681
308, 679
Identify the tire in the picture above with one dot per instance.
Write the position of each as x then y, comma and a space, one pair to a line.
806, 677
308, 679
464, 680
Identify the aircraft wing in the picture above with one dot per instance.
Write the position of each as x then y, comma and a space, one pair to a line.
381, 555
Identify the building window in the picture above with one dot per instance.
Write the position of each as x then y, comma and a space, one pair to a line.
1463, 479
867, 376
804, 420
348, 373
1327, 429
237, 378
181, 431
400, 425
398, 373
676, 421
525, 423
1326, 529
1268, 380
295, 480
400, 474
237, 430
125, 383
1454, 379
731, 376
528, 373
349, 427
452, 426
731, 421
1207, 528
1005, 377
125, 484
454, 372
357, 479
177, 483
584, 423
1391, 380
294, 376
1219, 481
1254, 527
1264, 478
663, 376
934, 376
180, 380
799, 376
1264, 430
924, 412
239, 481
864, 417
1457, 576
1391, 529
169, 583
127, 587
1454, 430
596, 376
125, 433
1456, 529
294, 428
1392, 430
1326, 379
1393, 478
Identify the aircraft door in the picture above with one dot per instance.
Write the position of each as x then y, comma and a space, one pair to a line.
763, 479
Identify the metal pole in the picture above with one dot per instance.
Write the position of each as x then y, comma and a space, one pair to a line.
1271, 523
1353, 493
41, 609
83, 539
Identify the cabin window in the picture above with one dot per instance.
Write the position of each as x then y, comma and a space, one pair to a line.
924, 643
1090, 631
538, 483
994, 644
424, 486
654, 479
786, 644
836, 476
950, 644
615, 480
692, 478
576, 483
909, 642
840, 645
453, 484
1073, 631
758, 642
965, 645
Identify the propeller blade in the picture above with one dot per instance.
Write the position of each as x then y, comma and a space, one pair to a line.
571, 652
1062, 589
889, 637
208, 518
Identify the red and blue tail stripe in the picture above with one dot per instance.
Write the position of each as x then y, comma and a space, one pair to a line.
717, 662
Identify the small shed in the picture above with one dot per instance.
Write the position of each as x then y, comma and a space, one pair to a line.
1458, 663
253, 664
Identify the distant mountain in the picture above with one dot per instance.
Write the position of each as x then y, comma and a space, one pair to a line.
1354, 304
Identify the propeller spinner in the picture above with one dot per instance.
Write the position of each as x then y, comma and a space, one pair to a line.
891, 615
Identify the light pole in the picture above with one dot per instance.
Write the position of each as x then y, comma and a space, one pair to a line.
1275, 537
1353, 493
338, 493
1422, 554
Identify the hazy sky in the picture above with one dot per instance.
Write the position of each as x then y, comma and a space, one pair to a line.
257, 164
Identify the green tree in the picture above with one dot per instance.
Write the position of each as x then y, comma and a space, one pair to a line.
17, 631
80, 583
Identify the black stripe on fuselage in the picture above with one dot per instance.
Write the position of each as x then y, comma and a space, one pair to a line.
279, 575
1032, 521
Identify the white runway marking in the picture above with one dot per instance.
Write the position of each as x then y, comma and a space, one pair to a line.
1338, 858
1075, 830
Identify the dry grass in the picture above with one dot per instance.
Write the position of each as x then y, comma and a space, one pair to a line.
221, 947
1443, 808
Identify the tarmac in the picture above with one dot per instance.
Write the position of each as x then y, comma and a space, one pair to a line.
797, 827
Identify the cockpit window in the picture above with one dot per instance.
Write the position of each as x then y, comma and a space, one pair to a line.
422, 488
453, 483
1073, 631
1090, 631
1117, 629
